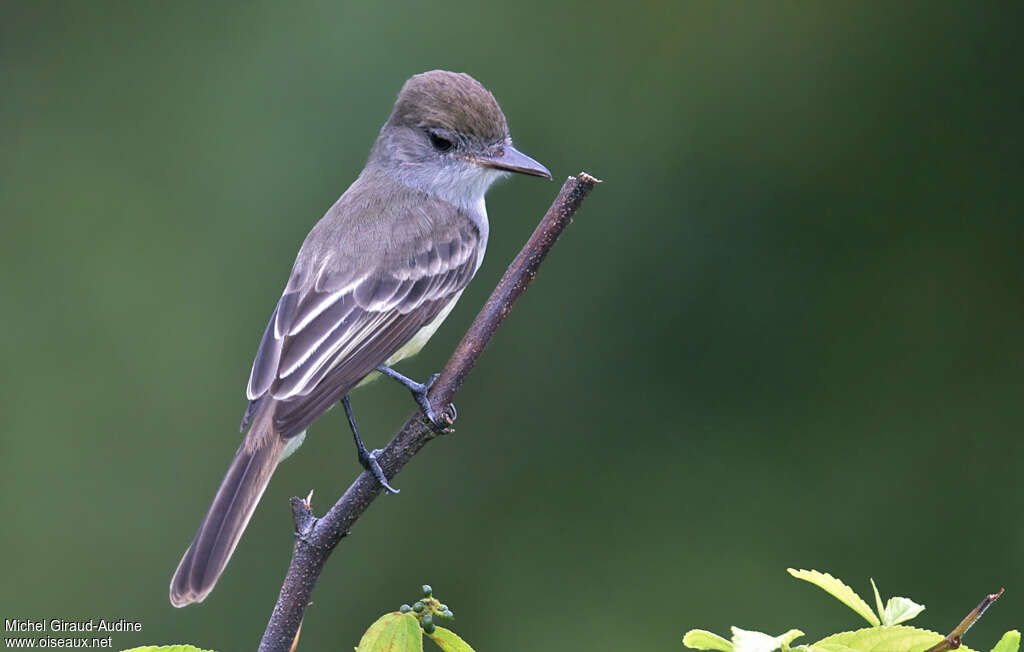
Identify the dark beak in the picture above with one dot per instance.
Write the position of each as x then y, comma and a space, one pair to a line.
506, 157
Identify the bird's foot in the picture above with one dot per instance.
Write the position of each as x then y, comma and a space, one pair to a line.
369, 461
442, 425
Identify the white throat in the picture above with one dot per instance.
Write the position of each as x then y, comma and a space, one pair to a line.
461, 183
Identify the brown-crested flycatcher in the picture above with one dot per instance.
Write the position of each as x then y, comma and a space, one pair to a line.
372, 282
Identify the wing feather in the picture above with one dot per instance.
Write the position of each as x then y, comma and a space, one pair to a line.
264, 367
332, 327
293, 417
309, 342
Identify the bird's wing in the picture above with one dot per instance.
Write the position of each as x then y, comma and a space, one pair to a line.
342, 315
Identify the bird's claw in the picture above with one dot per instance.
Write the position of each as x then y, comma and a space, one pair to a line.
440, 426
369, 461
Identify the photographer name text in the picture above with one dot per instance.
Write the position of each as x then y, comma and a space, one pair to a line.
64, 625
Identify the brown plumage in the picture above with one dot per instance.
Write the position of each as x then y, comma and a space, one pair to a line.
372, 281
369, 319
452, 101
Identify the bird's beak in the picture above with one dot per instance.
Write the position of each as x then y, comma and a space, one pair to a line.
506, 157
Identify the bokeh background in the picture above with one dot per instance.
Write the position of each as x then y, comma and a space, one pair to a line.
784, 332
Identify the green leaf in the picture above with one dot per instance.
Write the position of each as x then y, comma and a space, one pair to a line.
898, 610
788, 637
747, 641
1010, 642
832, 647
878, 601
167, 648
840, 591
700, 639
449, 641
893, 638
393, 632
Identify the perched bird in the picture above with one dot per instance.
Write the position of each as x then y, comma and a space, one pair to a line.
372, 282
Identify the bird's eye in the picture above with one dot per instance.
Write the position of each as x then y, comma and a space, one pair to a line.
439, 142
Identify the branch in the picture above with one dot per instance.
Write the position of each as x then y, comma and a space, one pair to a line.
954, 639
316, 538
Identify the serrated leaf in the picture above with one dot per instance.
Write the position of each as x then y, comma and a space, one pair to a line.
892, 638
832, 647
748, 641
898, 610
837, 589
166, 648
449, 641
700, 639
1010, 642
878, 601
393, 632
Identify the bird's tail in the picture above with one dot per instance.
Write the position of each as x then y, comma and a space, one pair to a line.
222, 527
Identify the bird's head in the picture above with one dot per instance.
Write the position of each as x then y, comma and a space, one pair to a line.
448, 136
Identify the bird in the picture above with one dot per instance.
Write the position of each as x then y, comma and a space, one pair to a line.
371, 283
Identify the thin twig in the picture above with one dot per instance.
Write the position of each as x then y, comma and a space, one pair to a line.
316, 538
955, 637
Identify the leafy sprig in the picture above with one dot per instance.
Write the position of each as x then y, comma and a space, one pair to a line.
403, 630
885, 634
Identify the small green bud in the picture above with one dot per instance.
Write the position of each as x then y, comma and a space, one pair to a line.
427, 590
427, 621
442, 607
418, 607
405, 608
429, 628
448, 614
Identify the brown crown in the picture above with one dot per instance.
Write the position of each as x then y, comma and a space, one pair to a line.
453, 101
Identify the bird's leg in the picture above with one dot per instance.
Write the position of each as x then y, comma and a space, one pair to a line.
419, 394
367, 458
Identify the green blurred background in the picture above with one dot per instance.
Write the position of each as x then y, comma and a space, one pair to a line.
784, 332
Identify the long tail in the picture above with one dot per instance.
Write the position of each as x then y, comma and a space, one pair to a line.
222, 527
